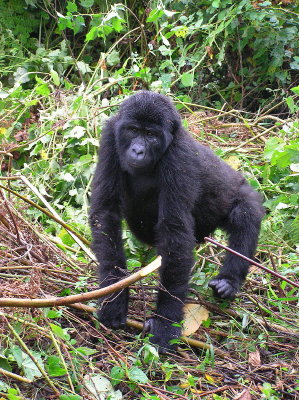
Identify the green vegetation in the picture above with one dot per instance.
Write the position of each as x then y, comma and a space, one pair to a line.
232, 71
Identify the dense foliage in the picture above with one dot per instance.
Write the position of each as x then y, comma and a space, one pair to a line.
241, 53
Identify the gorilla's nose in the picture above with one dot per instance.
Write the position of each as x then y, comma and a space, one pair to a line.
138, 151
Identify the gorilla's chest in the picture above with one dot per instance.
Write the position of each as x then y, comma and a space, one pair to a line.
140, 205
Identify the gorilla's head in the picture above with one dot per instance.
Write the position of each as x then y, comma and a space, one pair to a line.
145, 127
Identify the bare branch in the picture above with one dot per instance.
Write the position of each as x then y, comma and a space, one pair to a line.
270, 271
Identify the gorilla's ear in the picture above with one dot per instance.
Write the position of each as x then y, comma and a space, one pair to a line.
176, 124
168, 138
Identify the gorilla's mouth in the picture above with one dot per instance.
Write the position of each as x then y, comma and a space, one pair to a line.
137, 165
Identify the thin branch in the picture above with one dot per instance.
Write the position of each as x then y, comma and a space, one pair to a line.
56, 215
270, 271
48, 213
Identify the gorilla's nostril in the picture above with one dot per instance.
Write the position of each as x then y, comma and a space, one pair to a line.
137, 151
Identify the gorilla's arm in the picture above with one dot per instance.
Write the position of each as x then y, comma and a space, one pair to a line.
105, 222
243, 225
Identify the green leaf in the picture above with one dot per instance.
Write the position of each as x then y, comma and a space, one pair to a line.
133, 263
17, 354
101, 388
290, 103
117, 374
76, 132
85, 160
55, 77
117, 23
272, 146
113, 58
78, 24
65, 237
86, 351
4, 364
3, 386
187, 79
43, 90
92, 34
150, 353
65, 22
61, 333
71, 7
66, 177
295, 89
83, 67
70, 397
295, 64
216, 3
50, 313
164, 50
154, 15
30, 369
54, 367
24, 361
294, 230
86, 3
136, 375
12, 394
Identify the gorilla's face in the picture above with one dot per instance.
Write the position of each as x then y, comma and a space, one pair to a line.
141, 144
144, 129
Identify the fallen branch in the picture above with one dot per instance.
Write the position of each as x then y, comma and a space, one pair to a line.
11, 375
78, 298
270, 271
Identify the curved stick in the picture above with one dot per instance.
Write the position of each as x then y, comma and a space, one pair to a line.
94, 294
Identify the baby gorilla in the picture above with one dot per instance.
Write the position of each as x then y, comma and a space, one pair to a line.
173, 192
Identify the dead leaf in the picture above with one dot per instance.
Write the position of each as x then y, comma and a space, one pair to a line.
279, 384
244, 395
233, 161
194, 315
210, 379
254, 358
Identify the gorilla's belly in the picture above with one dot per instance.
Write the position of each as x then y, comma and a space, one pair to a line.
142, 218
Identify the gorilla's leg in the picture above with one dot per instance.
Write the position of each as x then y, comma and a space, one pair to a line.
175, 245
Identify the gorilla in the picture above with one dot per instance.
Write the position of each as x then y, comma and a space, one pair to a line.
173, 192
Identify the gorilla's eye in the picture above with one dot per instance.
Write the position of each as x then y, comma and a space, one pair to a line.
133, 129
150, 133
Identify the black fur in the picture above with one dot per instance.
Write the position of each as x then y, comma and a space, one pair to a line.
172, 191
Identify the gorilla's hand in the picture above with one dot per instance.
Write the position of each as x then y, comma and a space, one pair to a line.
163, 331
113, 310
225, 288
